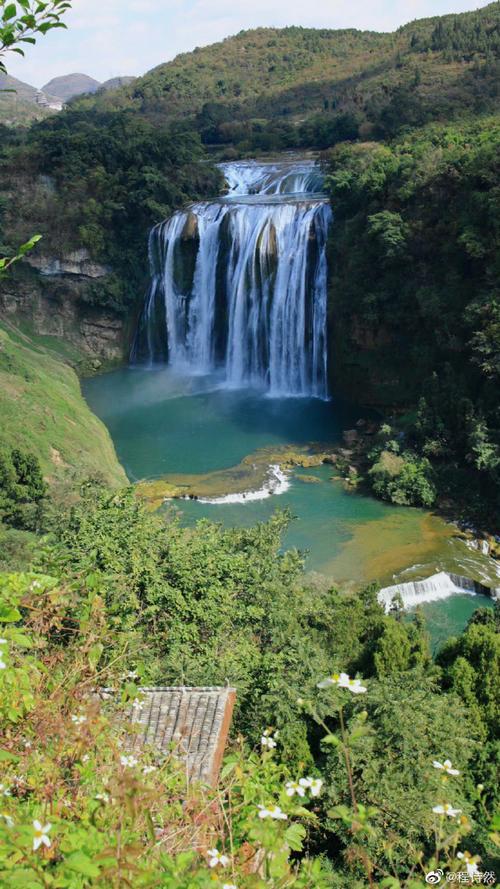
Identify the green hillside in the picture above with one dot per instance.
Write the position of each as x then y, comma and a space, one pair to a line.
17, 102
43, 411
279, 77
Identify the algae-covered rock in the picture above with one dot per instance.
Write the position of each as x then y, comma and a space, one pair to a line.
308, 479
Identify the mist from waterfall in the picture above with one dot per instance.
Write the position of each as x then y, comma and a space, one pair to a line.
239, 284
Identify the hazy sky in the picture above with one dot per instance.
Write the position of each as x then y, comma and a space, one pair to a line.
107, 38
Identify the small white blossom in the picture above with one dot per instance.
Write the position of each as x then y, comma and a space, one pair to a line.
132, 674
342, 680
470, 863
8, 820
295, 787
446, 809
272, 812
269, 737
103, 797
137, 704
4, 790
41, 838
334, 679
36, 585
85, 758
353, 685
445, 766
229, 886
148, 769
3, 665
314, 785
4, 642
78, 719
215, 858
129, 761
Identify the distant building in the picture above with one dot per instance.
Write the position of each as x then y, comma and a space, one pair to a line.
51, 104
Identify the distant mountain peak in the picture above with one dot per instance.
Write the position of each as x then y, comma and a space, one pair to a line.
70, 85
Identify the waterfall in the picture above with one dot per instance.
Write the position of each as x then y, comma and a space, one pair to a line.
239, 284
438, 586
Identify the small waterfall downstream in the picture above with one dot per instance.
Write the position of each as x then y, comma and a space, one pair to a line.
239, 284
438, 586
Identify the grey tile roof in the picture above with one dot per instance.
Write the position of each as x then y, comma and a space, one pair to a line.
193, 721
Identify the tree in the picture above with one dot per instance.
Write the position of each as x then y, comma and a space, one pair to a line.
22, 490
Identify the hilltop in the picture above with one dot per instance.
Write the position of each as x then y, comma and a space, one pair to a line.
281, 77
70, 85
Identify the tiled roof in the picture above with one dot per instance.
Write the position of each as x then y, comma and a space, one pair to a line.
195, 721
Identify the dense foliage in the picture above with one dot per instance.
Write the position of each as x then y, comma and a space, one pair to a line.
22, 490
101, 181
415, 258
119, 597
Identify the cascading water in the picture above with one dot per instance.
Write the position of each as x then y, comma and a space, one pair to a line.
240, 283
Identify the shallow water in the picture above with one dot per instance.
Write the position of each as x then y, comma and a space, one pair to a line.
163, 423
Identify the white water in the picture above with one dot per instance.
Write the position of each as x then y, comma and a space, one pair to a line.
278, 483
438, 586
240, 284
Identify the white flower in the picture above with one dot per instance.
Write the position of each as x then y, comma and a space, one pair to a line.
4, 790
137, 704
129, 761
41, 837
269, 737
78, 719
295, 787
8, 820
132, 674
103, 797
148, 769
446, 809
334, 679
314, 785
4, 642
272, 812
229, 886
353, 685
470, 863
36, 585
3, 665
445, 766
343, 681
215, 857
85, 757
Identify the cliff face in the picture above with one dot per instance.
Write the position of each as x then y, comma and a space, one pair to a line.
54, 296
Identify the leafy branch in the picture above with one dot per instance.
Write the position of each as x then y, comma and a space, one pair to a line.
21, 21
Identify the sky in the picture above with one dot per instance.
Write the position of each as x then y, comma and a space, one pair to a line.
108, 38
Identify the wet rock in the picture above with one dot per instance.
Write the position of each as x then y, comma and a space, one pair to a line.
351, 437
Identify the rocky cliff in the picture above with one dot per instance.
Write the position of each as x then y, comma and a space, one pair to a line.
55, 296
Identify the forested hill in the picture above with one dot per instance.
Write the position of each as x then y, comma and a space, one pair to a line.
282, 76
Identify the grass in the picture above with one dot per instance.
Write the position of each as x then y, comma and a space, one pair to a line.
42, 410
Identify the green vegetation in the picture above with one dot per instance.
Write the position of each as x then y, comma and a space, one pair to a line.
42, 407
115, 589
414, 253
271, 89
111, 588
22, 490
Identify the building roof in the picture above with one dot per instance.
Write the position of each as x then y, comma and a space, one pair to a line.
193, 721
